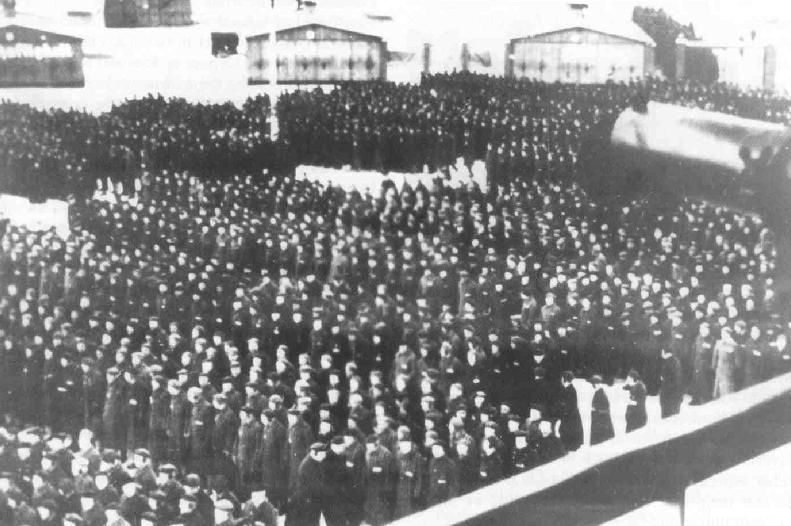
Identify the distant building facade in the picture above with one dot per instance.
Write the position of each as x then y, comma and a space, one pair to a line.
317, 54
147, 13
33, 57
579, 55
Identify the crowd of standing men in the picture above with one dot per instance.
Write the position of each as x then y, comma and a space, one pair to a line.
358, 354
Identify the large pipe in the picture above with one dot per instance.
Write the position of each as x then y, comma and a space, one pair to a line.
665, 152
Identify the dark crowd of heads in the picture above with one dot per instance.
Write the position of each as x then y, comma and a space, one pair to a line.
232, 328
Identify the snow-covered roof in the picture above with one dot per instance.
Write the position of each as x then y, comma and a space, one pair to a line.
343, 20
626, 29
58, 26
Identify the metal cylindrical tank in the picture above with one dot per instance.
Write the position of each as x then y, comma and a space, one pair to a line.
666, 152
674, 150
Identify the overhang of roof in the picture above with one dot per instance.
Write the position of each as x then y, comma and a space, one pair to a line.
54, 35
585, 28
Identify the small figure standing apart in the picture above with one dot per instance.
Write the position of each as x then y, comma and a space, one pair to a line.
601, 420
570, 426
671, 391
636, 416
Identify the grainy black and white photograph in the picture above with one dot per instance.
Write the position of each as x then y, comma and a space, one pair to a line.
409, 262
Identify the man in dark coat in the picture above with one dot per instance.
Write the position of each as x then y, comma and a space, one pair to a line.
570, 426
671, 390
91, 392
247, 441
114, 428
490, 463
204, 504
636, 416
338, 505
381, 474
410, 474
524, 455
702, 373
132, 504
601, 420
304, 505
188, 512
179, 413
443, 476
158, 420
300, 436
137, 405
259, 510
226, 427
272, 456
549, 446
201, 425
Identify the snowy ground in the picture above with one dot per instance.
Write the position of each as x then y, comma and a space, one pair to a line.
367, 179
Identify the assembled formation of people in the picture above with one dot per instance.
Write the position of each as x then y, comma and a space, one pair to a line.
217, 343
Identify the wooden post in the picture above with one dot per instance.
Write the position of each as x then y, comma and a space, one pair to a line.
681, 59
770, 67
383, 60
273, 124
465, 57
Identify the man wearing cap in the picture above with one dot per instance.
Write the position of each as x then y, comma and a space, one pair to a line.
524, 455
132, 504
188, 512
339, 480
381, 476
92, 511
727, 361
179, 412
226, 427
570, 422
300, 436
159, 507
601, 420
171, 490
490, 462
549, 446
246, 444
354, 452
144, 473
158, 419
201, 426
272, 457
91, 390
307, 497
203, 502
114, 423
443, 476
671, 391
137, 410
223, 513
411, 469
702, 371
259, 510
233, 397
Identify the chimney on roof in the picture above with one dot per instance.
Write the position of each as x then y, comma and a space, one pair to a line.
578, 9
9, 8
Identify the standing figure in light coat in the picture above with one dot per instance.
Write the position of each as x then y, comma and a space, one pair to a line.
726, 361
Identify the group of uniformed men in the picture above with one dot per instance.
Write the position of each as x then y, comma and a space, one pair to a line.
356, 354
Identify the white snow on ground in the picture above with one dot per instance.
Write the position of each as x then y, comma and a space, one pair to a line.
362, 180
